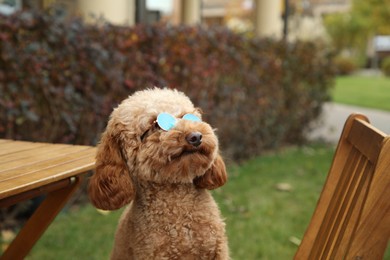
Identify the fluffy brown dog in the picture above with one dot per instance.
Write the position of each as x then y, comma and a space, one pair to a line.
165, 175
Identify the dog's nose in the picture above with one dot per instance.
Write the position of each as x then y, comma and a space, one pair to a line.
194, 138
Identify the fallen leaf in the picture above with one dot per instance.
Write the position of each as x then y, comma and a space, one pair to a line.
103, 212
7, 235
296, 241
283, 186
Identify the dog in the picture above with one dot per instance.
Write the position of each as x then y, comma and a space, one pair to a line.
158, 156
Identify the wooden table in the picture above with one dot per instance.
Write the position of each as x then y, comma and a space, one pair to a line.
31, 169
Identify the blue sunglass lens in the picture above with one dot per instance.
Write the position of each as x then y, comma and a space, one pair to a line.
192, 117
166, 121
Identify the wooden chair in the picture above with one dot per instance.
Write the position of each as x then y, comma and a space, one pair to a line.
352, 217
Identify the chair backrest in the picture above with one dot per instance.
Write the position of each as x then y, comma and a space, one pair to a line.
352, 217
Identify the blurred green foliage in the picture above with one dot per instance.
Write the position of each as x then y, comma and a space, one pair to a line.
374, 14
352, 31
386, 66
61, 78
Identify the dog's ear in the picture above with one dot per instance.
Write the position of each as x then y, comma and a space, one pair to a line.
111, 186
214, 177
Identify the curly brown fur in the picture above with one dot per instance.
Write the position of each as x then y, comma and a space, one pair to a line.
164, 178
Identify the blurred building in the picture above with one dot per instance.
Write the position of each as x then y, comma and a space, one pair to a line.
301, 19
261, 15
306, 17
268, 17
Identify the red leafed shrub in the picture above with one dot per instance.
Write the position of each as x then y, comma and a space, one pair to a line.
60, 79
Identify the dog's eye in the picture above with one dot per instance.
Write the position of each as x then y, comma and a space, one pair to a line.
157, 126
145, 134
149, 131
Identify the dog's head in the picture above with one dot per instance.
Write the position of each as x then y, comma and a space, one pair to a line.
155, 135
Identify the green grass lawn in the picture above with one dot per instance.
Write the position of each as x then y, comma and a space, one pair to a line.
261, 220
365, 91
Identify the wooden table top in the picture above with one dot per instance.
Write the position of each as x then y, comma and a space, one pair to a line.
26, 165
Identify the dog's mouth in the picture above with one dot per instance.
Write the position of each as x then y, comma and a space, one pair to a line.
188, 152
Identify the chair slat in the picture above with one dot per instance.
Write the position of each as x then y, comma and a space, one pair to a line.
366, 139
354, 202
357, 194
373, 231
333, 209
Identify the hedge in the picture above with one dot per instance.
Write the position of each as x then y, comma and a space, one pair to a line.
61, 78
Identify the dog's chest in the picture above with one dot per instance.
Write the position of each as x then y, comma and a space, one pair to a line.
177, 225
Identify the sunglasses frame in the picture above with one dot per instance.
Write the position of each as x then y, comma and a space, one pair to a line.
167, 121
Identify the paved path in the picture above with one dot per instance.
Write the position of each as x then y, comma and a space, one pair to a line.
331, 122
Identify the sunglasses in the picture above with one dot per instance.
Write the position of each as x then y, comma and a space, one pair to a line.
166, 121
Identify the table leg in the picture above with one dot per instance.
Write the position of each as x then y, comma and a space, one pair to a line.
39, 221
